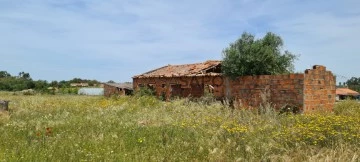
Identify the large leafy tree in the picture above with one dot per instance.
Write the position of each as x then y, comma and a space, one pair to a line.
250, 56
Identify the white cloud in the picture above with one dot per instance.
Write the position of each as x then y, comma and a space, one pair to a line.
324, 38
135, 36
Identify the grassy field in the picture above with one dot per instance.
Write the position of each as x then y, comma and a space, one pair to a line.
84, 128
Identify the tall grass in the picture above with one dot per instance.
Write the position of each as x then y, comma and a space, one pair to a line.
84, 128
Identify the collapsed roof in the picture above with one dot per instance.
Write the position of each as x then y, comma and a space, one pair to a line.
128, 86
210, 67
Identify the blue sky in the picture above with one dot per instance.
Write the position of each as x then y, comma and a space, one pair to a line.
117, 39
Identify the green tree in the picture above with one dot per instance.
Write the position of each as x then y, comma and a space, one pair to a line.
354, 83
5, 84
41, 85
4, 74
24, 75
76, 80
110, 81
54, 84
64, 84
250, 56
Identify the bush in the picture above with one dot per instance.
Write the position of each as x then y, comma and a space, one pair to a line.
347, 107
28, 92
144, 91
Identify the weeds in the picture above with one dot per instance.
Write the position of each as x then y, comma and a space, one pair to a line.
143, 128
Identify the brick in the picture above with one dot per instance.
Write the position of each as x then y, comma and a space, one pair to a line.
311, 88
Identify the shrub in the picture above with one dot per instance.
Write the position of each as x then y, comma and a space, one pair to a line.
347, 108
144, 91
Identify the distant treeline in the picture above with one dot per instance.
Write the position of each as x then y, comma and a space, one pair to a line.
23, 81
352, 83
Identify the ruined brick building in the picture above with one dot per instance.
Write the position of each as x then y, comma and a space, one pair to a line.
314, 89
120, 89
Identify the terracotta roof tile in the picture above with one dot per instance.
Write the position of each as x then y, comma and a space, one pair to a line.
182, 70
346, 91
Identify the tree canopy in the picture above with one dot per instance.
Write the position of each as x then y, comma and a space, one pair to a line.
250, 56
4, 74
354, 83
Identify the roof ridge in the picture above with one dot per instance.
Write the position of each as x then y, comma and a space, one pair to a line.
186, 64
181, 69
207, 61
154, 70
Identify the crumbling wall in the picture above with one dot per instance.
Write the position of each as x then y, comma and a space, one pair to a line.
307, 91
187, 86
279, 90
319, 89
112, 90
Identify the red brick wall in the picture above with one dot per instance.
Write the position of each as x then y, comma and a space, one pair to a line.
190, 86
319, 89
279, 90
313, 89
111, 90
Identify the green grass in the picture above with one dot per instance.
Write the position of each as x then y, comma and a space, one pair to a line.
84, 128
